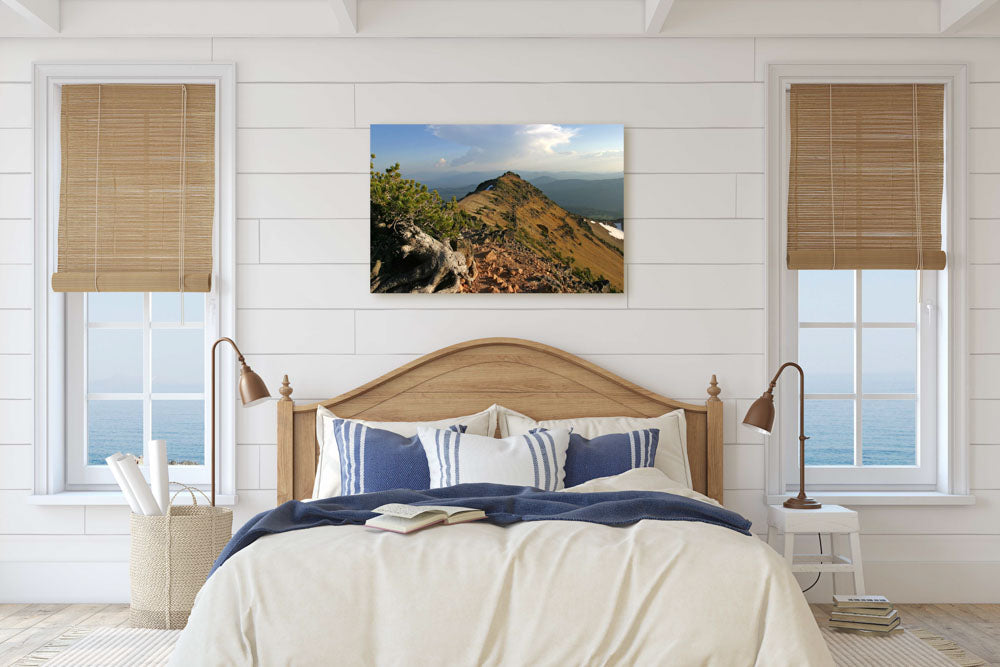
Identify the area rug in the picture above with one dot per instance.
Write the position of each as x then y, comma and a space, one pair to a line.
915, 648
101, 647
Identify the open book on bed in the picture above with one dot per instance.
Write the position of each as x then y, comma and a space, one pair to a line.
402, 518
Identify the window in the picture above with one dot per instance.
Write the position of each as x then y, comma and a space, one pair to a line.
115, 369
883, 348
136, 372
862, 339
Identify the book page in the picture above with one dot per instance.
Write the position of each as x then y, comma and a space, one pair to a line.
406, 511
450, 511
398, 524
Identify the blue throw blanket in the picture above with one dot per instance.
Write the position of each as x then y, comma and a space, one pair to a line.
503, 505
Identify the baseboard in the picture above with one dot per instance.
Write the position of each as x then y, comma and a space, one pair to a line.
64, 582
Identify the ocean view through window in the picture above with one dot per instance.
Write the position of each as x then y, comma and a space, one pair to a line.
858, 341
145, 374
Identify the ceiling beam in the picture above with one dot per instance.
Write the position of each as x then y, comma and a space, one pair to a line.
958, 14
656, 15
44, 13
347, 14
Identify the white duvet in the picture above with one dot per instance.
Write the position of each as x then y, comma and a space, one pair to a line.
538, 593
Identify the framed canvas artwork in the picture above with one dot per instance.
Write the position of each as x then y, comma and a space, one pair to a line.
497, 208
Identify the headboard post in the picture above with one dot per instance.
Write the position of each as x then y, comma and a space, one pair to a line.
285, 442
714, 445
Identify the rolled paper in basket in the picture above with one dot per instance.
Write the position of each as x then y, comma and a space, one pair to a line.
136, 482
122, 483
158, 474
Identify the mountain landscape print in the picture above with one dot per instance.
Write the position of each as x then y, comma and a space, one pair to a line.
497, 208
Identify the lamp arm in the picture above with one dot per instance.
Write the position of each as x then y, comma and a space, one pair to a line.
802, 421
239, 355
802, 395
801, 501
783, 366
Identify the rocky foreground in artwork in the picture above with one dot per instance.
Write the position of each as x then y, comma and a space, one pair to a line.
505, 236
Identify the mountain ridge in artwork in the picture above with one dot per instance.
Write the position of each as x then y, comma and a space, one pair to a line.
522, 212
505, 235
597, 198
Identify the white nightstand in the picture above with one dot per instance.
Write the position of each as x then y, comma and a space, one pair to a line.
832, 519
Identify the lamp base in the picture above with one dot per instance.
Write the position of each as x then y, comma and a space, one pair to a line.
802, 504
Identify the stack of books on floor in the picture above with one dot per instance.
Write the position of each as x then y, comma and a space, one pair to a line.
864, 613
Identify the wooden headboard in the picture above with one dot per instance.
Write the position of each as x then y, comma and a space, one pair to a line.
540, 381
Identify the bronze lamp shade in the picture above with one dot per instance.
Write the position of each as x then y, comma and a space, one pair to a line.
760, 417
252, 388
252, 391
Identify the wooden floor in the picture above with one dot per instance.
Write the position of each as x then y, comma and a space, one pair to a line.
26, 627
974, 627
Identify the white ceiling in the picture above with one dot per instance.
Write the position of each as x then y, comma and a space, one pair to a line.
471, 18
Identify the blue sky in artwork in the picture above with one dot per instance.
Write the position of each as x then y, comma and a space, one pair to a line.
428, 151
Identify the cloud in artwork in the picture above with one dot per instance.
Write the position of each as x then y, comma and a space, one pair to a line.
438, 152
540, 147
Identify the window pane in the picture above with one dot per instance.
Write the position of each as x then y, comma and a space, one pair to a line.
113, 426
826, 296
114, 307
889, 361
166, 307
182, 425
888, 432
178, 360
827, 357
114, 361
194, 306
889, 296
830, 427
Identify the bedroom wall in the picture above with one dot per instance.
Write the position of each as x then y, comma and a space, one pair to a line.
694, 115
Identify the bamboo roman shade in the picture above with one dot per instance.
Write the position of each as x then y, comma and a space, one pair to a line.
137, 193
866, 176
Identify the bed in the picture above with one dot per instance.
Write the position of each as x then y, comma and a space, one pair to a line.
545, 592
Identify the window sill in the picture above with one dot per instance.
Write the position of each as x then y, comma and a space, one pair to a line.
112, 498
851, 498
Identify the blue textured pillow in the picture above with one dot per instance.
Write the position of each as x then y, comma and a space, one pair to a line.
372, 459
610, 454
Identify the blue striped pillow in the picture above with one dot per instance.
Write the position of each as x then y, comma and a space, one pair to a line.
372, 459
536, 459
610, 454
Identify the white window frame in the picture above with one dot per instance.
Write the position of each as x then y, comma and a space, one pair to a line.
80, 475
947, 307
923, 475
51, 482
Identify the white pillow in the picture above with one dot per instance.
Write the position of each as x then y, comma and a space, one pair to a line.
636, 479
639, 479
535, 459
327, 482
671, 452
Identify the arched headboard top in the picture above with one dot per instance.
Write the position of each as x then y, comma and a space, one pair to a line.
538, 380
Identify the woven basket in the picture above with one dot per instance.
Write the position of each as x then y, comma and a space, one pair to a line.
170, 559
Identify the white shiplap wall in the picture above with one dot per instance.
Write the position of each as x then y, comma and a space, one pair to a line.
693, 110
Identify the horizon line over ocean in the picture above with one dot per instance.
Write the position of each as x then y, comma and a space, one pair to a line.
888, 430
